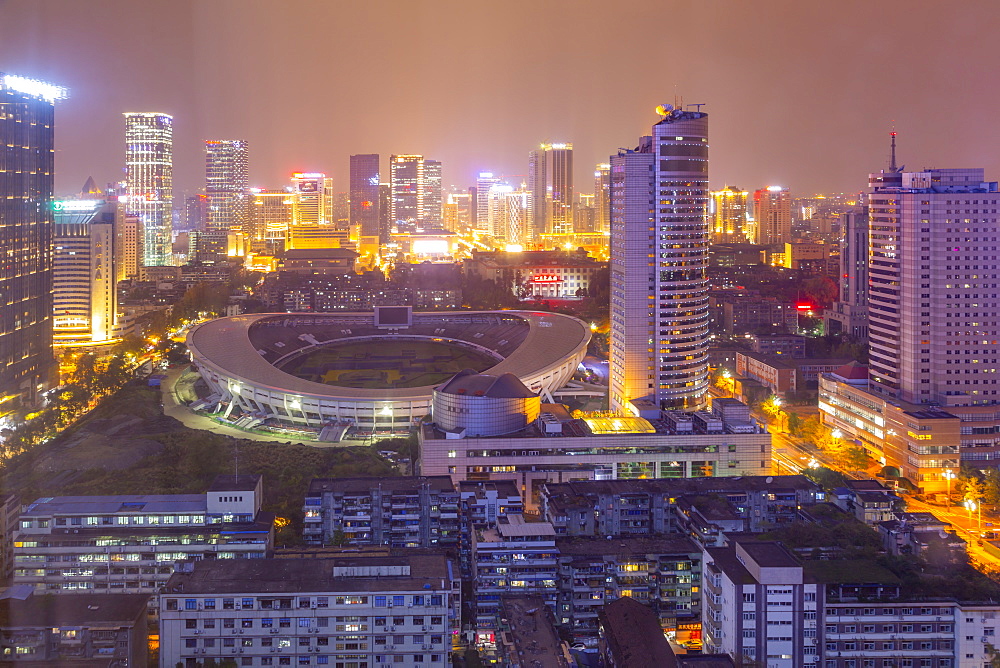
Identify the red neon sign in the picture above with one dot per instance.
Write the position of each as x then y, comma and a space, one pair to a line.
546, 278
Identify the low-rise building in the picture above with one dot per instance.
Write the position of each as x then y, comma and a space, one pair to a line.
10, 514
373, 611
513, 557
676, 506
631, 636
399, 512
557, 447
661, 572
759, 607
484, 502
792, 345
97, 630
132, 543
540, 274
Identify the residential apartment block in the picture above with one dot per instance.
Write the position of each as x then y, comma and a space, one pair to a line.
131, 544
97, 630
354, 611
399, 512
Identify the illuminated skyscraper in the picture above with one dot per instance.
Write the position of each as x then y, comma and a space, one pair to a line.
226, 184
416, 192
602, 198
484, 182
149, 181
27, 117
550, 179
430, 195
364, 196
729, 215
772, 215
271, 218
312, 195
659, 246
85, 304
508, 212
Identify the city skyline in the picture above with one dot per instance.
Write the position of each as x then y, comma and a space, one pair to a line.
780, 134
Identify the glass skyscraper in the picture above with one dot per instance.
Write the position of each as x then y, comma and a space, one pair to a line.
26, 180
149, 147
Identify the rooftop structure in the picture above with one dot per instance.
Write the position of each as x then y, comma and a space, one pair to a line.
631, 636
527, 637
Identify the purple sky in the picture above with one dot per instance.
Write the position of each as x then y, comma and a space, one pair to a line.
800, 93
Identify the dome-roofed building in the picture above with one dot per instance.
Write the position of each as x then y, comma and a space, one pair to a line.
480, 404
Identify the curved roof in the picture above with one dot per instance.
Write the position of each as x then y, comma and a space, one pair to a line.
225, 344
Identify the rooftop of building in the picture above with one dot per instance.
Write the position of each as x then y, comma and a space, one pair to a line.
769, 554
507, 488
625, 426
635, 639
574, 258
365, 485
514, 527
110, 505
531, 630
581, 492
319, 254
48, 611
625, 547
839, 571
234, 483
275, 576
470, 383
725, 560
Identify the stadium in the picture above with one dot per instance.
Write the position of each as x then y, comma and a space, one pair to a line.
347, 373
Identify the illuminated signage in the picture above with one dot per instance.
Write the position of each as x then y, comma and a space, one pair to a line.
76, 205
546, 278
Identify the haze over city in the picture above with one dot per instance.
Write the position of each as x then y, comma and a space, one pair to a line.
801, 94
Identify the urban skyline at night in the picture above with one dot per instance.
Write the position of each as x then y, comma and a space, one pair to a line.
534, 334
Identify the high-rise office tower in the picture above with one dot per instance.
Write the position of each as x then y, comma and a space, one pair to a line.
384, 210
416, 192
602, 198
849, 314
364, 179
932, 287
659, 246
311, 198
484, 182
550, 179
404, 178
508, 212
729, 215
430, 195
195, 211
271, 218
27, 116
129, 246
226, 185
85, 303
772, 215
149, 181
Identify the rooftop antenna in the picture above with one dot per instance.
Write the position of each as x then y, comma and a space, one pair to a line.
892, 154
697, 105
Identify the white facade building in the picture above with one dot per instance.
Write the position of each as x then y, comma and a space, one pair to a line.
377, 612
130, 544
659, 247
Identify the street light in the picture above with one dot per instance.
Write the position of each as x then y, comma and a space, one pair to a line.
971, 505
949, 475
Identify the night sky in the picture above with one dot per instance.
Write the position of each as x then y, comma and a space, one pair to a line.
800, 93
